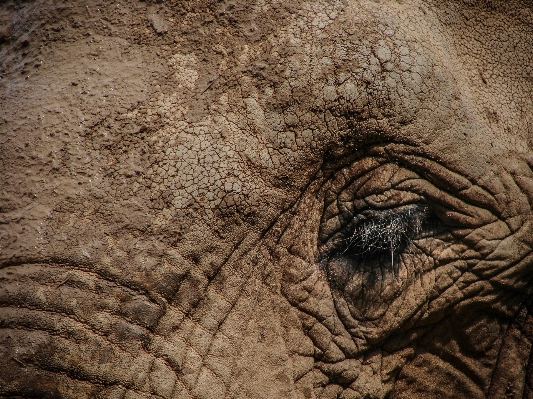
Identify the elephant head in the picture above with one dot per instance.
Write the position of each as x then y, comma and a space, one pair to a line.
235, 199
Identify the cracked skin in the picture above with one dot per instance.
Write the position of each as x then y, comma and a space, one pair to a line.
179, 179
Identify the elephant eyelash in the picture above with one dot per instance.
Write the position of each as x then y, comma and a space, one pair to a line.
387, 232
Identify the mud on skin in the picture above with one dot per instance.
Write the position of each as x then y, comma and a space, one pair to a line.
266, 200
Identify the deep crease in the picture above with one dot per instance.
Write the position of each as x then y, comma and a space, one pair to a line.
72, 376
52, 261
70, 372
109, 281
502, 342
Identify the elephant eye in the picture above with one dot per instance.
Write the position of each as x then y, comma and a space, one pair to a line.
385, 232
381, 234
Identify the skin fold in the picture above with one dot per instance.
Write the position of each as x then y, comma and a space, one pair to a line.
197, 199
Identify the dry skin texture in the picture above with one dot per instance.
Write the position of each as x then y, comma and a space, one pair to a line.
176, 178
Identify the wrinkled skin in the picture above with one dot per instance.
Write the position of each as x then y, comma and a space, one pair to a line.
176, 178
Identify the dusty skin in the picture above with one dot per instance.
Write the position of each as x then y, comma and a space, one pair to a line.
186, 189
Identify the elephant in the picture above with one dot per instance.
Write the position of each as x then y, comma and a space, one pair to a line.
266, 199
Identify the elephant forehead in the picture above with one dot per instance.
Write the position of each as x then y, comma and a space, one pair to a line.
262, 119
